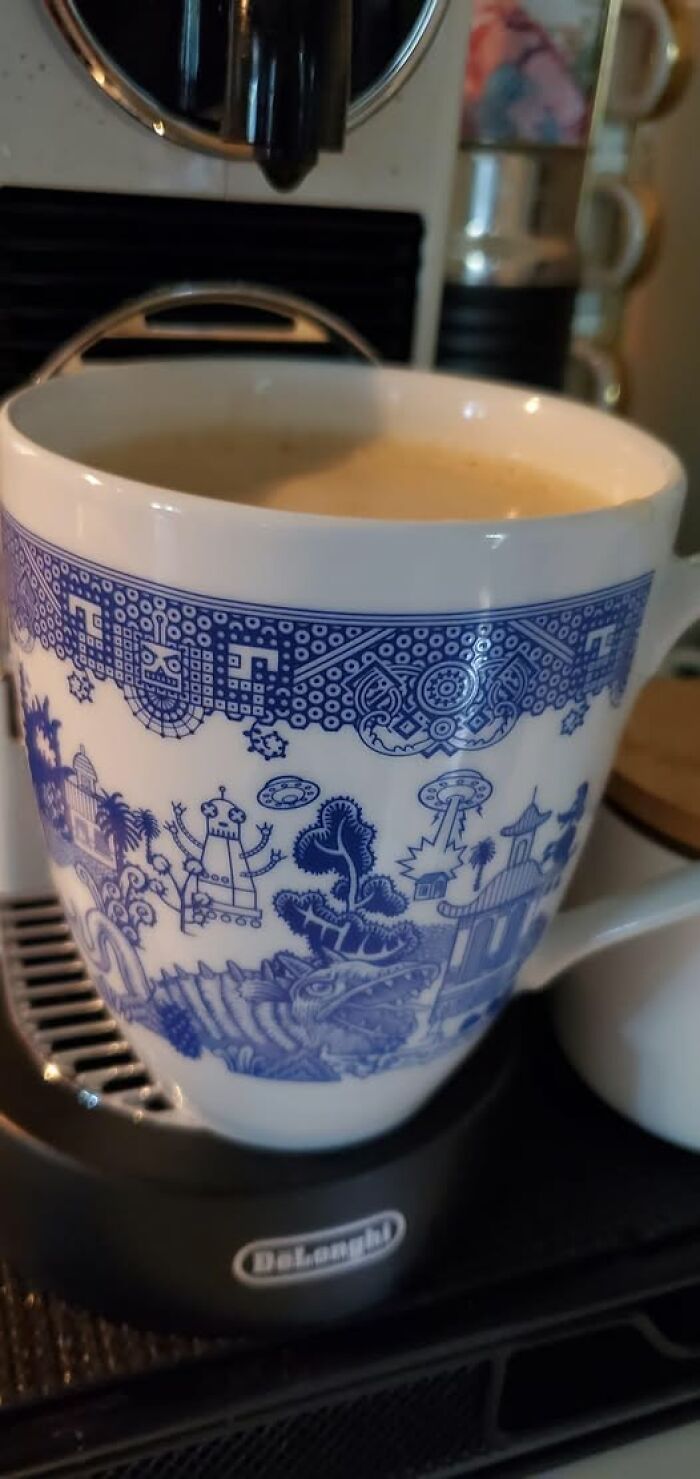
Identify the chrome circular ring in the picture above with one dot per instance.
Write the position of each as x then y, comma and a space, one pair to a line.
116, 84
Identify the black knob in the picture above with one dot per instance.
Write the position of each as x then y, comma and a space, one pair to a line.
288, 81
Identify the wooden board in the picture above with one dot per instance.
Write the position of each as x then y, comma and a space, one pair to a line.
656, 777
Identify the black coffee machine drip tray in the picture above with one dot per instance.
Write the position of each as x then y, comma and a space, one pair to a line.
551, 1307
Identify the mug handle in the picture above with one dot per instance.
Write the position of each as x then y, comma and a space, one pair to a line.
638, 216
587, 929
668, 67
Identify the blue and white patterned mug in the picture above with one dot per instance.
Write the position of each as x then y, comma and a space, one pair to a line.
312, 787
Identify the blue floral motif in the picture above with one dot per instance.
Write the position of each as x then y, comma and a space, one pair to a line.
574, 719
428, 685
361, 987
121, 899
81, 687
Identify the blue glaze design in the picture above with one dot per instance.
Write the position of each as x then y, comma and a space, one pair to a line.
287, 793
574, 719
81, 687
217, 881
434, 861
360, 988
502, 922
268, 743
340, 844
426, 685
334, 1013
111, 844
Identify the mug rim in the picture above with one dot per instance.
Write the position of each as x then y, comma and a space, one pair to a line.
512, 399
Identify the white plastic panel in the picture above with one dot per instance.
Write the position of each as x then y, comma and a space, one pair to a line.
57, 130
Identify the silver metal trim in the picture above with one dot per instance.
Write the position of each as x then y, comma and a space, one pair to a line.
71, 1035
119, 87
403, 64
303, 323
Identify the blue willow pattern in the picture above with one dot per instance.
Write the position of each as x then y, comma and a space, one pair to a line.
429, 685
378, 969
361, 988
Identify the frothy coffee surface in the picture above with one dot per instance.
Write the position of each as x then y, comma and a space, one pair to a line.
376, 478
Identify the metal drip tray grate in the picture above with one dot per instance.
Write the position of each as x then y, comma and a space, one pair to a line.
62, 1017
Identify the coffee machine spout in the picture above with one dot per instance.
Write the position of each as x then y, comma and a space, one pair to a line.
288, 82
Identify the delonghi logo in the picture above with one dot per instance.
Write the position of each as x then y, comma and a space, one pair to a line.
320, 1254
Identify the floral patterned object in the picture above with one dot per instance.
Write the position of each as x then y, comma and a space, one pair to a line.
311, 948
358, 987
532, 72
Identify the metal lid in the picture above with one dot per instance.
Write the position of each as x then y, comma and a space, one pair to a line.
656, 777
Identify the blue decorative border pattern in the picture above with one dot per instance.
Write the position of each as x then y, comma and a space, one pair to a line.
408, 685
370, 972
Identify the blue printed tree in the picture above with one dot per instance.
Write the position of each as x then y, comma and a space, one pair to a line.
481, 855
117, 821
340, 842
48, 773
149, 829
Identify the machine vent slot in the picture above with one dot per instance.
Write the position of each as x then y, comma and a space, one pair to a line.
61, 1016
66, 257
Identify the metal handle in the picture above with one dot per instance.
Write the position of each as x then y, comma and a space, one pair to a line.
303, 323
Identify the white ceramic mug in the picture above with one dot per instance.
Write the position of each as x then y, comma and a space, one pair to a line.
652, 59
312, 787
630, 1022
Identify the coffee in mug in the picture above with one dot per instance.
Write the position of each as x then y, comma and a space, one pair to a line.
345, 476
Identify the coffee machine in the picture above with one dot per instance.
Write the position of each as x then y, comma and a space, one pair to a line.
140, 143
285, 142
534, 1299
